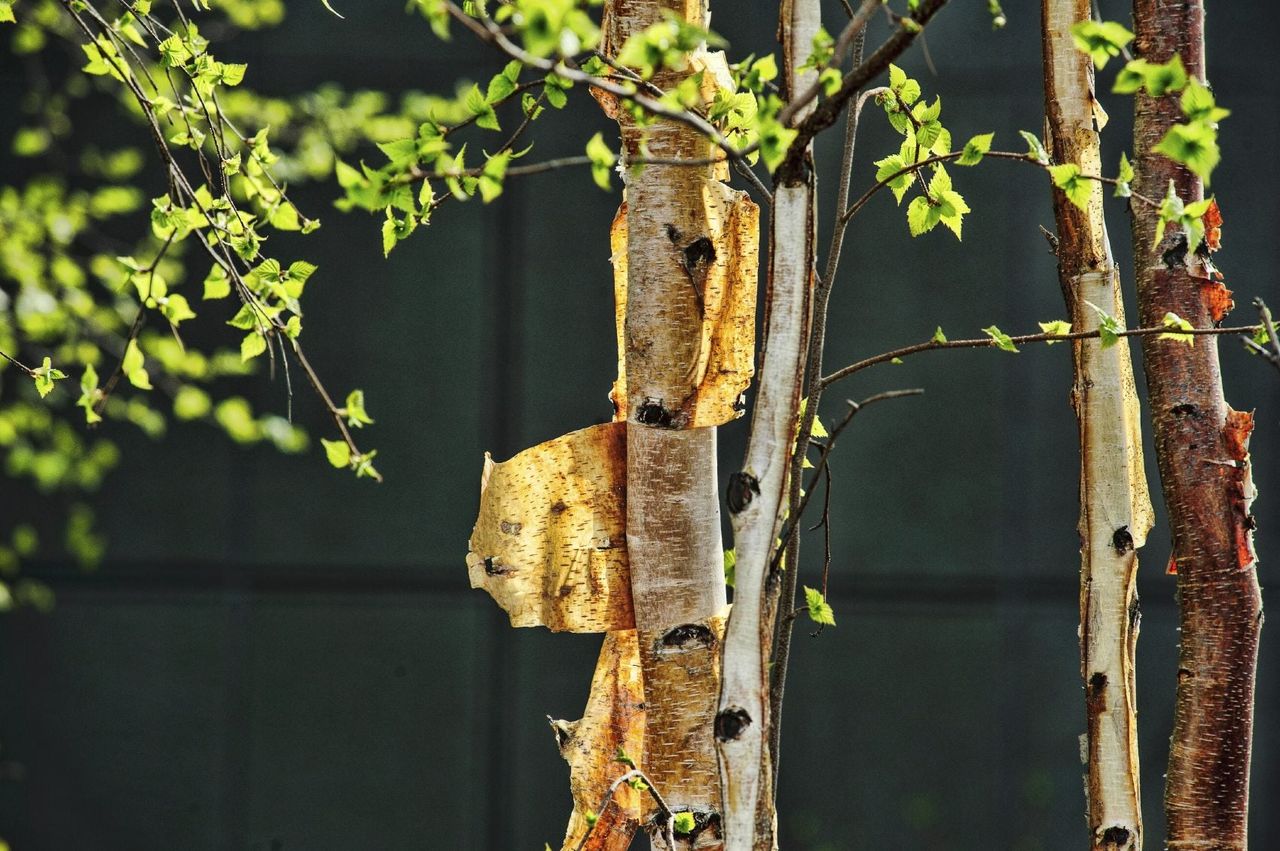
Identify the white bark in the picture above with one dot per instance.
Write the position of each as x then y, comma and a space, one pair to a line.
756, 498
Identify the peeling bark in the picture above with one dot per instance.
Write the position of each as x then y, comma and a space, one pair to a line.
613, 719
550, 542
757, 492
1115, 507
721, 264
1201, 446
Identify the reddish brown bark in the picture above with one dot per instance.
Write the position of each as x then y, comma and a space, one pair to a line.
1204, 471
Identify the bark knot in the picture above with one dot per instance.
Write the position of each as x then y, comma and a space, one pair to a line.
742, 489
689, 636
730, 722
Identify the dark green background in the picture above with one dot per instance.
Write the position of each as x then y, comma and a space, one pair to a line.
276, 656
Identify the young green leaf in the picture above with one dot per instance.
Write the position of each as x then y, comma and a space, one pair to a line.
1100, 39
1109, 327
1124, 176
45, 375
1056, 327
820, 611
337, 451
1001, 339
975, 148
938, 336
1035, 148
602, 161
1075, 186
1177, 327
132, 366
684, 823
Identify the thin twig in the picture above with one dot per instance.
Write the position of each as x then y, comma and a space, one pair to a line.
1271, 352
989, 342
793, 521
663, 810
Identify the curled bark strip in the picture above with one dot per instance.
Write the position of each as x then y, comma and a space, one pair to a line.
613, 719
720, 266
550, 542
1115, 506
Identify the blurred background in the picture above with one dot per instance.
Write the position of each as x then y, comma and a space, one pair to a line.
278, 656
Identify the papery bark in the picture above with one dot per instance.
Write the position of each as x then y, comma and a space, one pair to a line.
1201, 446
1115, 507
756, 492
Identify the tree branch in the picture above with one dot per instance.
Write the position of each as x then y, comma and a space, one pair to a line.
988, 342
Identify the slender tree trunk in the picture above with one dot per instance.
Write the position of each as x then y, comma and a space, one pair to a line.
756, 492
673, 508
1201, 446
1115, 508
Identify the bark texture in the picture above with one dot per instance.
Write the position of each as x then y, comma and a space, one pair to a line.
1115, 507
1201, 445
756, 492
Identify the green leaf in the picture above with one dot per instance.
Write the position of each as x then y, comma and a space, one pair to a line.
887, 168
6, 12
337, 451
921, 217
938, 336
1109, 327
730, 563
602, 161
45, 375
175, 308
684, 823
1035, 148
476, 104
975, 148
820, 611
1001, 339
1194, 145
357, 416
620, 756
1100, 39
1124, 176
252, 345
89, 395
191, 403
1176, 324
1076, 187
1157, 80
1198, 104
1057, 327
132, 366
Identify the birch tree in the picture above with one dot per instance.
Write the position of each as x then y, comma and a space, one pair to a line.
1201, 443
1115, 510
614, 529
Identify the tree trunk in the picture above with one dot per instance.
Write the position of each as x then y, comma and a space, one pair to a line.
673, 508
1115, 507
1201, 446
756, 492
